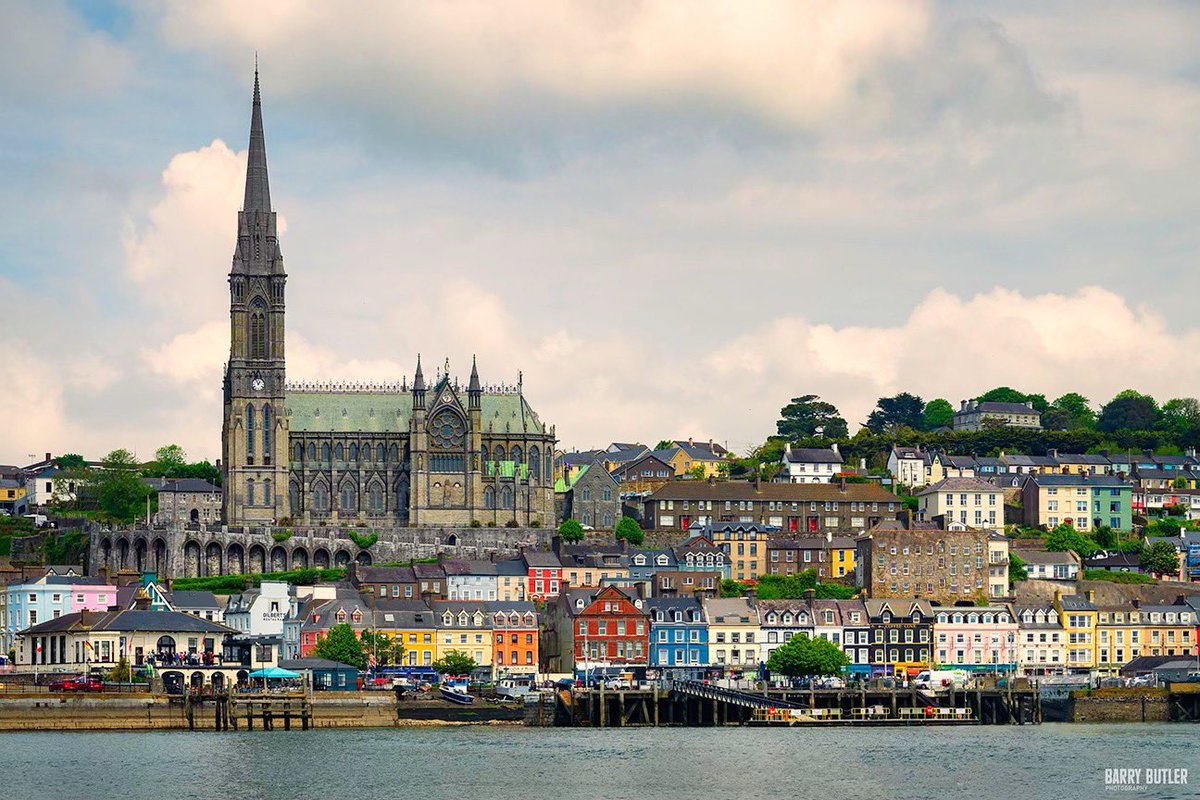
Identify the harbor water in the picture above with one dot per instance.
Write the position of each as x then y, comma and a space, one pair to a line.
1057, 761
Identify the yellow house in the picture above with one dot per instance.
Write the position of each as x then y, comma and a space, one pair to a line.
734, 634
10, 493
687, 456
465, 626
414, 628
1129, 632
1079, 617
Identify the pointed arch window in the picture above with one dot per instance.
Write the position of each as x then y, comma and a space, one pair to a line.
320, 497
394, 453
448, 441
375, 498
354, 453
535, 463
312, 452
379, 453
250, 434
268, 499
266, 434
499, 452
250, 499
339, 452
516, 454
506, 497
299, 452
348, 497
325, 452
258, 329
294, 497
489, 497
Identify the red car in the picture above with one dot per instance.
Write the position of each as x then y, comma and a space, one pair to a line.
79, 683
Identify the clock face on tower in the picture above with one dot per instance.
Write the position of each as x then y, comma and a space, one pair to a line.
257, 384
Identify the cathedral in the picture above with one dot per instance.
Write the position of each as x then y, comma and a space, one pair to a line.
421, 453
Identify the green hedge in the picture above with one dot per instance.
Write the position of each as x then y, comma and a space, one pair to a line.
1116, 577
232, 584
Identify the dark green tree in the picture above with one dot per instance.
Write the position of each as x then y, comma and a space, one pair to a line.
342, 645
570, 530
388, 650
1180, 415
120, 491
168, 459
806, 656
901, 410
1160, 558
732, 588
1016, 569
808, 416
664, 444
1065, 537
1072, 411
1129, 410
454, 662
938, 413
629, 530
69, 461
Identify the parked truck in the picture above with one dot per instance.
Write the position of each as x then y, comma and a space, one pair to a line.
941, 679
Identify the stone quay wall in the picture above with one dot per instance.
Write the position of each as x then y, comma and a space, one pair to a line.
199, 552
1143, 706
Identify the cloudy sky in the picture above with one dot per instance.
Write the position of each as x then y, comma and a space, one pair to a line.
672, 217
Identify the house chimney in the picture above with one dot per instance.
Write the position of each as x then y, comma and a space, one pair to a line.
862, 465
1058, 594
751, 596
810, 595
834, 448
1052, 452
1029, 404
962, 405
829, 536
556, 544
1091, 595
47, 455
690, 442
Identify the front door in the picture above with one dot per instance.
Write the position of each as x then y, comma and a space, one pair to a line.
685, 522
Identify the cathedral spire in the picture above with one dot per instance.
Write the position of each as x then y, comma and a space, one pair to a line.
258, 192
419, 378
474, 385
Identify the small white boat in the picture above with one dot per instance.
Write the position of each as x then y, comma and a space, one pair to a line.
457, 695
514, 688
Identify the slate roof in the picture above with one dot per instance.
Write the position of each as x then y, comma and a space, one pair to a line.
993, 406
464, 567
812, 455
369, 574
1075, 602
1047, 556
129, 620
669, 605
959, 485
798, 492
811, 543
390, 412
189, 598
541, 559
730, 611
511, 567
190, 485
1110, 481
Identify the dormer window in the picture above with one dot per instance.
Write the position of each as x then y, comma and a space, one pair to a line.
447, 618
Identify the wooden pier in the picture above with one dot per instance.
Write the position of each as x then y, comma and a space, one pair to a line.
694, 703
267, 712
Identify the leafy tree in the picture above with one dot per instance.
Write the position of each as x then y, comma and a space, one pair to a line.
1160, 559
1181, 415
902, 410
342, 645
454, 662
1105, 536
121, 671
629, 530
696, 472
1016, 569
69, 461
664, 444
938, 413
732, 588
120, 492
807, 416
1073, 411
204, 470
1065, 537
802, 655
1002, 394
570, 530
386, 649
1129, 410
169, 458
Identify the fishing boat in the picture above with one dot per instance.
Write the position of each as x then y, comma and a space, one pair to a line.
455, 690
457, 696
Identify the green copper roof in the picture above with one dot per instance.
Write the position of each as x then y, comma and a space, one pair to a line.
562, 486
390, 412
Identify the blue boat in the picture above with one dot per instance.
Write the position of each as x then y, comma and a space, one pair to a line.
456, 695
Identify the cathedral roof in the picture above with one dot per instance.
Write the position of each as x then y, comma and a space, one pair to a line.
390, 412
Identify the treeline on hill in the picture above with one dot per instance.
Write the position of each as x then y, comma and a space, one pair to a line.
1129, 421
115, 490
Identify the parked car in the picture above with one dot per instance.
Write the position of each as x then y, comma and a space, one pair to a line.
78, 683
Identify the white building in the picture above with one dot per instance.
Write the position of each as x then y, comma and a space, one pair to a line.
811, 464
261, 611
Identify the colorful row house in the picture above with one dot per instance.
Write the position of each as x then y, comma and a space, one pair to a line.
594, 632
678, 636
976, 638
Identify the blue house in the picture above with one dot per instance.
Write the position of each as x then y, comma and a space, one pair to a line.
678, 636
645, 564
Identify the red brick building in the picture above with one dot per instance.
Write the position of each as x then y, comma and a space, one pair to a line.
602, 629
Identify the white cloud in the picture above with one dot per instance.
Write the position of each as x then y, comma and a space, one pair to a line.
478, 70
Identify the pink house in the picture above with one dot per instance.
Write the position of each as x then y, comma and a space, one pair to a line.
85, 594
975, 638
